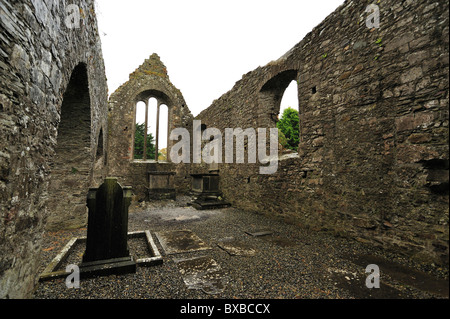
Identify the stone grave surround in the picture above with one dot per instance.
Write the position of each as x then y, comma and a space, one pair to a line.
106, 244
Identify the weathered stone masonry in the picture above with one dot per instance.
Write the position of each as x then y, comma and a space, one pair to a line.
53, 105
372, 163
373, 103
151, 79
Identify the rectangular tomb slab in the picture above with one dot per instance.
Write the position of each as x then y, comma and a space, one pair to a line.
202, 273
180, 241
206, 188
205, 183
236, 247
161, 185
213, 203
258, 233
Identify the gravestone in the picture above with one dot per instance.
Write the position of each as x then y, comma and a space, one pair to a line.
161, 185
207, 191
106, 244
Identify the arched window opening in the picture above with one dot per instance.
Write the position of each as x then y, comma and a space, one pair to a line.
151, 130
278, 100
288, 118
140, 129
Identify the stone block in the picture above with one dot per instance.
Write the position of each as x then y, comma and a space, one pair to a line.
411, 75
414, 121
414, 153
418, 138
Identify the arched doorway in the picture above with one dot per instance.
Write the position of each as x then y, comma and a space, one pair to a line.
71, 165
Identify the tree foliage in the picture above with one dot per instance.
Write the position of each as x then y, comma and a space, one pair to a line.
289, 126
139, 143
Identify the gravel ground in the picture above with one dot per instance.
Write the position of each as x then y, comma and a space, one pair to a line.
290, 263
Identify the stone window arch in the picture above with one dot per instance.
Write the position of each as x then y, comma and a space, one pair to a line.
271, 96
152, 109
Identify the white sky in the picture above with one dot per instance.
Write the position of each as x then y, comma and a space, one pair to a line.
206, 45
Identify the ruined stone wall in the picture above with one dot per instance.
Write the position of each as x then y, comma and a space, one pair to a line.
53, 100
151, 79
372, 162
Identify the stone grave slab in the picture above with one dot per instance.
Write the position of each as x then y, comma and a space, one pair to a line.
235, 247
259, 233
180, 241
161, 185
202, 273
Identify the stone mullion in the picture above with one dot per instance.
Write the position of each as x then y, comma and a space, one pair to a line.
144, 157
157, 131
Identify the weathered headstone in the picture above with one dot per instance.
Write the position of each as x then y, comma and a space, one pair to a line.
106, 244
161, 185
207, 191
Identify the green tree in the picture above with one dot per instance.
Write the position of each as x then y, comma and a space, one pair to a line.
289, 126
139, 143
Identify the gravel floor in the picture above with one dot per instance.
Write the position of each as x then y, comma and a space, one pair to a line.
290, 263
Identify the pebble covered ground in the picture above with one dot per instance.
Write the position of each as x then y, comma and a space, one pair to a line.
290, 263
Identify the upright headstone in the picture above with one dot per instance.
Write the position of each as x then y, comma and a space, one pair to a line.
106, 244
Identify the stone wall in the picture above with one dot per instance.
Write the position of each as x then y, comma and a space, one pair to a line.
372, 162
53, 104
151, 79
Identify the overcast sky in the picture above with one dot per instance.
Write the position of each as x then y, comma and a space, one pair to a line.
206, 45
